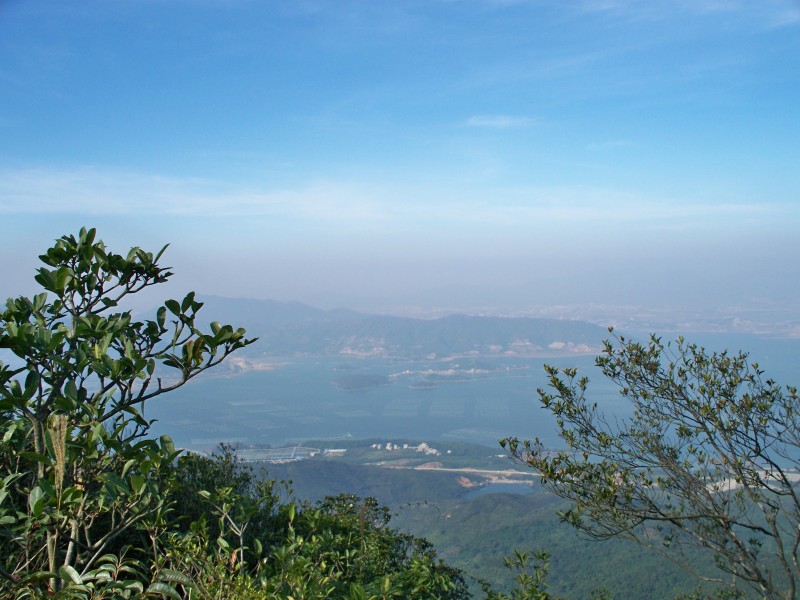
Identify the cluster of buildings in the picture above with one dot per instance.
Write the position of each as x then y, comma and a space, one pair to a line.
287, 454
422, 447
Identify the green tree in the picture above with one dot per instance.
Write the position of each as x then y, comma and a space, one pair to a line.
383, 554
199, 483
78, 472
531, 577
256, 545
709, 459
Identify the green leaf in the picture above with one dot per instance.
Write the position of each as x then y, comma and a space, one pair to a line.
160, 588
36, 501
38, 576
63, 279
174, 577
137, 484
166, 444
87, 236
173, 307
160, 253
68, 573
187, 302
46, 279
126, 467
9, 432
133, 585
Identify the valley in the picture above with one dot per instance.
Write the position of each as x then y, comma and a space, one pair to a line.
356, 397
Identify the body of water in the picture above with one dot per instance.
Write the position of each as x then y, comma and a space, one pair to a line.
473, 399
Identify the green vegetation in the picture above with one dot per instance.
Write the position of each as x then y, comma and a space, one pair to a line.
79, 473
474, 533
91, 507
262, 545
708, 462
317, 478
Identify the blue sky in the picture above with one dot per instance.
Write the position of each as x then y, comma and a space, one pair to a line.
387, 153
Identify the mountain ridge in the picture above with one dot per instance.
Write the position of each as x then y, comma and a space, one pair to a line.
287, 328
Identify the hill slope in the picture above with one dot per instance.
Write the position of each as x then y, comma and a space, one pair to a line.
295, 328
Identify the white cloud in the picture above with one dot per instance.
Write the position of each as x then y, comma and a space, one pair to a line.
354, 205
100, 192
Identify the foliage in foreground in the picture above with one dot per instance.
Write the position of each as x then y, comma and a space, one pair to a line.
709, 459
258, 545
92, 507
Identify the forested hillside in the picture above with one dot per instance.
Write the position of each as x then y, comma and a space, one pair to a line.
474, 532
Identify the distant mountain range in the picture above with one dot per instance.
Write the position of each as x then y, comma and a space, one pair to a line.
287, 328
